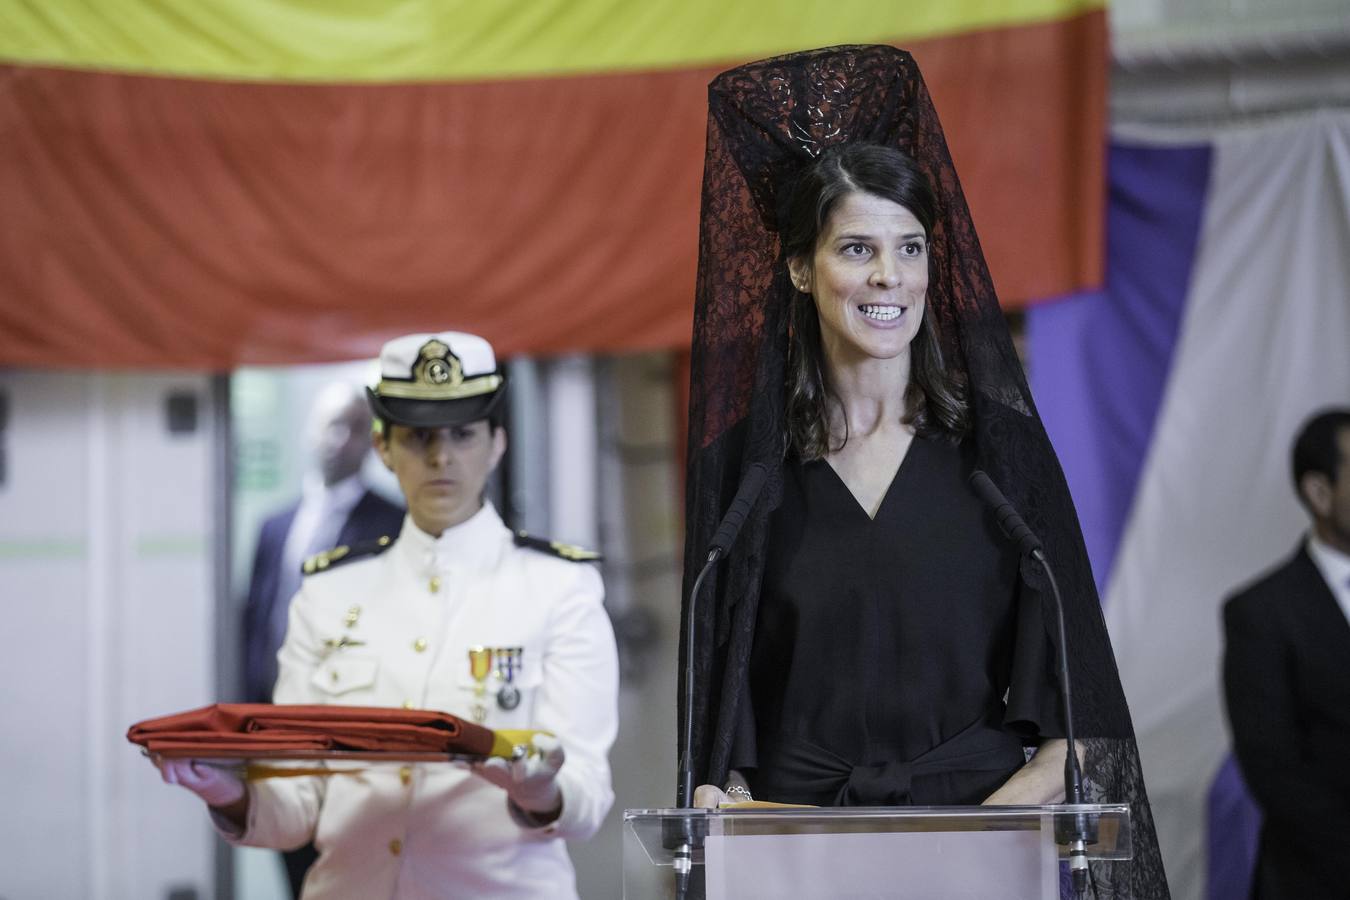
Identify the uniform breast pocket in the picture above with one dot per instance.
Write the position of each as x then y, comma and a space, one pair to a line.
505, 704
341, 674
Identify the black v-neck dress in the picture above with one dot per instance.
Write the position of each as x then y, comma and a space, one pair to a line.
882, 668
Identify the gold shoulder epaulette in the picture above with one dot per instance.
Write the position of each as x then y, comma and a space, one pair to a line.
331, 559
569, 552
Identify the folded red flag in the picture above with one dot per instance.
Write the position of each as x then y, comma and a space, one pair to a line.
265, 730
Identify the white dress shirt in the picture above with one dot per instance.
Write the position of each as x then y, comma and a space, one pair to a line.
1335, 568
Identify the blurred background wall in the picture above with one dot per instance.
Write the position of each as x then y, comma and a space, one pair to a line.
210, 212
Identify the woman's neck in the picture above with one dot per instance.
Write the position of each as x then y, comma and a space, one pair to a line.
871, 394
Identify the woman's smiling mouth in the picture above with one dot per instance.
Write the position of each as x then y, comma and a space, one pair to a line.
881, 313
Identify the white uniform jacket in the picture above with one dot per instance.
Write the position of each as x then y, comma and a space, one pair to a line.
408, 616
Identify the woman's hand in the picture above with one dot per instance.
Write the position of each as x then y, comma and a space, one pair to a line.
219, 788
710, 796
216, 786
530, 782
1038, 782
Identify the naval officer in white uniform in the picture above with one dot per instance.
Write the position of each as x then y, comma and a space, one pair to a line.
393, 624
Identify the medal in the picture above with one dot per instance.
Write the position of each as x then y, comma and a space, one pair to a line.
480, 666
508, 663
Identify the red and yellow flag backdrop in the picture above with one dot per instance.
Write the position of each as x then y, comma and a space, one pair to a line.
209, 185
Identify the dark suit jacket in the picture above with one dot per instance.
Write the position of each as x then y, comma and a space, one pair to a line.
372, 517
1286, 673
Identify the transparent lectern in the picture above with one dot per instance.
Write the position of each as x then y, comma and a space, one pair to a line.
905, 853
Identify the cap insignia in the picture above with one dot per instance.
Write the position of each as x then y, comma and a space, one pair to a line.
436, 365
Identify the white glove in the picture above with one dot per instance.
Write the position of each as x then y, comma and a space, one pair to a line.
531, 783
216, 786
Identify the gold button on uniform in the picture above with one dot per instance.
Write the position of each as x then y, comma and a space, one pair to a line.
407, 704
405, 775
420, 644
435, 584
334, 676
396, 846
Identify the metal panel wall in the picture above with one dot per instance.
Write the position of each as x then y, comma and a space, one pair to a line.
106, 540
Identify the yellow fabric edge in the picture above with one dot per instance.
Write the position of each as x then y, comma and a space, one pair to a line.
426, 40
506, 740
504, 744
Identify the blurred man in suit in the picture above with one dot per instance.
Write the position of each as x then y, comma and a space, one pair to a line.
335, 508
1287, 682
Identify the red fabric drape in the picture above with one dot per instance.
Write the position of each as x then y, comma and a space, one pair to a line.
163, 222
262, 730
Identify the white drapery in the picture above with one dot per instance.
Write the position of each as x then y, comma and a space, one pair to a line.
1265, 341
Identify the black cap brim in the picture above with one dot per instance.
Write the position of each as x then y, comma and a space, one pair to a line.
433, 413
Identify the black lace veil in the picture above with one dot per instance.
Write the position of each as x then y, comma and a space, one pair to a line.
766, 121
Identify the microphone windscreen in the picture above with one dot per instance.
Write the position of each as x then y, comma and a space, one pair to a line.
986, 490
746, 495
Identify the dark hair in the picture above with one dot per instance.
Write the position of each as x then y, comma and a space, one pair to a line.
935, 401
1315, 447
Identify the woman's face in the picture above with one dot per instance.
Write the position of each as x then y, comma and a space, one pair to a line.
868, 276
442, 471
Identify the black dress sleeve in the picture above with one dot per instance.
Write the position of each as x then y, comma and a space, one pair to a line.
745, 745
1034, 705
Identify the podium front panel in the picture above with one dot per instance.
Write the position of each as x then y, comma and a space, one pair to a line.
899, 853
914, 865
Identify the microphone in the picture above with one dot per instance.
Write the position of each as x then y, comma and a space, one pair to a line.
1017, 531
746, 495
1009, 522
752, 482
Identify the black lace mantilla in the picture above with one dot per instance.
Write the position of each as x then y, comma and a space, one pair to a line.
766, 120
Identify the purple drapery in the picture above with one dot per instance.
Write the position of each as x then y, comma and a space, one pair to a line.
1099, 361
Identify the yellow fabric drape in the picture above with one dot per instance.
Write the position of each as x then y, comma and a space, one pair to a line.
440, 40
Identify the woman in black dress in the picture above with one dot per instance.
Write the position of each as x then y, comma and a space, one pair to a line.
881, 670
872, 639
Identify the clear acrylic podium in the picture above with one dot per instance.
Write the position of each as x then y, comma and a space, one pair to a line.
906, 853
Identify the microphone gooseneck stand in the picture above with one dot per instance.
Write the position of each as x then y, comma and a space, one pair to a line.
1073, 777
1028, 544
752, 482
684, 853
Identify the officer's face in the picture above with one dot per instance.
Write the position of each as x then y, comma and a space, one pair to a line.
442, 471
